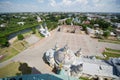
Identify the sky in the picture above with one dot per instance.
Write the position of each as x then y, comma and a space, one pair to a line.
59, 5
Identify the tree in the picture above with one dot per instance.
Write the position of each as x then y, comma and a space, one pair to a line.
20, 37
106, 34
103, 24
110, 28
84, 27
33, 30
68, 21
4, 42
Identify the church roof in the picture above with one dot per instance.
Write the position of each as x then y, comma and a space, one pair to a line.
64, 56
41, 77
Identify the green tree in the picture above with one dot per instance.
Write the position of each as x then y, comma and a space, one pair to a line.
20, 37
33, 30
110, 28
103, 24
68, 21
106, 34
4, 42
84, 27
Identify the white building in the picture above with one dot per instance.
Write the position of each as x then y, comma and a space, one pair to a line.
90, 31
39, 19
20, 23
44, 31
2, 25
117, 25
75, 64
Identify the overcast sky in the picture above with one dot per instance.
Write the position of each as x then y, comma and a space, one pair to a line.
60, 5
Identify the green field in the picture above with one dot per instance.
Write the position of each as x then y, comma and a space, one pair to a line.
13, 50
110, 53
9, 70
15, 68
109, 41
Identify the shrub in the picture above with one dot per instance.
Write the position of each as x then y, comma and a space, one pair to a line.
33, 30
20, 37
106, 34
4, 42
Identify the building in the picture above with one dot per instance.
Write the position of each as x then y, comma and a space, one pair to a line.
76, 20
62, 21
70, 28
86, 22
90, 31
117, 25
20, 23
41, 77
3, 25
78, 65
115, 62
44, 31
38, 19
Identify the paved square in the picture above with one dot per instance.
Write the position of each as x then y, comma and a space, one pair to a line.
34, 54
32, 39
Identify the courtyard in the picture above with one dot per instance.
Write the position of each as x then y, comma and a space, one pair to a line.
33, 55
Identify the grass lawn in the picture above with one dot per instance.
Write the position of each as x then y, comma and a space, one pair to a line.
12, 50
109, 41
110, 53
38, 34
112, 50
9, 70
84, 78
29, 33
20, 45
9, 53
15, 69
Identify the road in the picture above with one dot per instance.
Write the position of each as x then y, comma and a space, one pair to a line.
34, 54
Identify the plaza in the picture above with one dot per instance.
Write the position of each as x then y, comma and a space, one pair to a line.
34, 54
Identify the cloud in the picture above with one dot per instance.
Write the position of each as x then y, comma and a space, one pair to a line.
61, 5
53, 3
67, 3
84, 2
5, 3
40, 1
86, 5
16, 7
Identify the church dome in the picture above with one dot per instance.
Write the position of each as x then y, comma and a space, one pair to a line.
64, 56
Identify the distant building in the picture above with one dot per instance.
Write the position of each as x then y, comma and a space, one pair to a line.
96, 25
117, 32
20, 23
3, 25
89, 18
76, 20
62, 21
112, 34
70, 28
117, 25
86, 22
44, 31
38, 19
90, 30
23, 17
